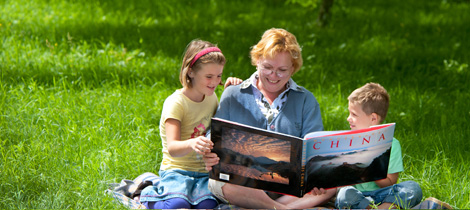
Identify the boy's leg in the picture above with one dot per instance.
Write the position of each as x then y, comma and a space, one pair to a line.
351, 198
405, 195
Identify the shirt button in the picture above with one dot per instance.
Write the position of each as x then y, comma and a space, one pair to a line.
272, 127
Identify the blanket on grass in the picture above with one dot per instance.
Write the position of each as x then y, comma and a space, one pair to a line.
123, 192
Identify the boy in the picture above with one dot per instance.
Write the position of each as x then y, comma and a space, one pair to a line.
368, 106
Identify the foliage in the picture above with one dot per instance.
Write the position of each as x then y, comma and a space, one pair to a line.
308, 4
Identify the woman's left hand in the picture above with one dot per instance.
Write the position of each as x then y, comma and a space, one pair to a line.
232, 81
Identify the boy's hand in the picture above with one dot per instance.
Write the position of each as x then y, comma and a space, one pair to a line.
232, 81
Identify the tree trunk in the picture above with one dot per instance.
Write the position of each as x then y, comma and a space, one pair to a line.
324, 14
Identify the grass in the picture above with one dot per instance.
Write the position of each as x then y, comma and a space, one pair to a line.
82, 84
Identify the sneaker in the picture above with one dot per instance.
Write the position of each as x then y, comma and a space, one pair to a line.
432, 203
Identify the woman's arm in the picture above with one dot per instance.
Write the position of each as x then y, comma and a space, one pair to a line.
311, 115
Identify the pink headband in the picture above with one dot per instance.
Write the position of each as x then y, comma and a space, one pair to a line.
203, 52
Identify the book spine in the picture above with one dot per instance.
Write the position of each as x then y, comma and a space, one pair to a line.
302, 169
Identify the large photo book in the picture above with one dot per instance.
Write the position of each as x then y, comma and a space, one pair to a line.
286, 164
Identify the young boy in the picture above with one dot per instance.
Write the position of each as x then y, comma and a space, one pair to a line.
368, 106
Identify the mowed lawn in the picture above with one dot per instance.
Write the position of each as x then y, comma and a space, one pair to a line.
82, 84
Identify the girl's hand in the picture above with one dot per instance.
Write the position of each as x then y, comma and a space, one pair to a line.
232, 81
202, 145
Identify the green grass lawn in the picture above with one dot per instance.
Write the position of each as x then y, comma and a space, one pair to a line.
82, 84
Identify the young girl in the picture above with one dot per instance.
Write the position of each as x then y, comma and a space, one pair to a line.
186, 115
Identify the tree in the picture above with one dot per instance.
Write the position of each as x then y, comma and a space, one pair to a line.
324, 10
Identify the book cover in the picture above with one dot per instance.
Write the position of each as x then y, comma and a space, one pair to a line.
286, 164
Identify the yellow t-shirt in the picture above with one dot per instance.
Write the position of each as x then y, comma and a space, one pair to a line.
195, 118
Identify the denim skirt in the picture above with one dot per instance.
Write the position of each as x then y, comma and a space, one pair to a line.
175, 183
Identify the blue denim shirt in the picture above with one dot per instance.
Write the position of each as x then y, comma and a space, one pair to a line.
299, 116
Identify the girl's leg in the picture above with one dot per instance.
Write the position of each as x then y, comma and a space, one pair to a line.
172, 203
206, 204
149, 205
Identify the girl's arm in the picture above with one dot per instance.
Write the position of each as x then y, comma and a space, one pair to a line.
180, 148
389, 181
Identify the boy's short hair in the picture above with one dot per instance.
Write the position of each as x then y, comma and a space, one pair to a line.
373, 98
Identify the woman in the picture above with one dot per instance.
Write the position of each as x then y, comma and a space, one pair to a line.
270, 100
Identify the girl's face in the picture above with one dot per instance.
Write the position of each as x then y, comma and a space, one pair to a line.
206, 79
274, 73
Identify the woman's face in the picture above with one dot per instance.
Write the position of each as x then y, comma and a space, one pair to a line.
274, 73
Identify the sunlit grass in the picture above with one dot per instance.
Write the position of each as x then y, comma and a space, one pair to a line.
76, 141
82, 84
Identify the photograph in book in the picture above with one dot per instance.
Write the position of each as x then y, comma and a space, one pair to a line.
277, 162
362, 156
256, 160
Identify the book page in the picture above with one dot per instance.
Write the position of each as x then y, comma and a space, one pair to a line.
256, 158
342, 158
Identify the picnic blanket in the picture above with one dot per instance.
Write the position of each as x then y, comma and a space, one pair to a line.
122, 192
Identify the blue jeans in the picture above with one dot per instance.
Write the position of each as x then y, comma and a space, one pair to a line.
405, 194
188, 185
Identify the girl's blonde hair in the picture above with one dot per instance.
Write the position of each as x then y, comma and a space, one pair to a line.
274, 41
192, 49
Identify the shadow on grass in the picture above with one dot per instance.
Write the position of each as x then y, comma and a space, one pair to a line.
366, 41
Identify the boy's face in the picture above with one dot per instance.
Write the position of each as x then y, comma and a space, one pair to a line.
358, 119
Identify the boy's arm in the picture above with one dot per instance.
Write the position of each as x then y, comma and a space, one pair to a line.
389, 181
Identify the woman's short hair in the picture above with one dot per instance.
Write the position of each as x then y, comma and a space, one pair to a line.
274, 41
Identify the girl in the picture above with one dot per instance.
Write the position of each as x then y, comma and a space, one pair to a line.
186, 115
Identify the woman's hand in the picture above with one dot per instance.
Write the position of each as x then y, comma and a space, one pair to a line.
210, 159
232, 81
316, 191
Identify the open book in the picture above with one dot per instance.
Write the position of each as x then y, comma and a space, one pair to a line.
286, 164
